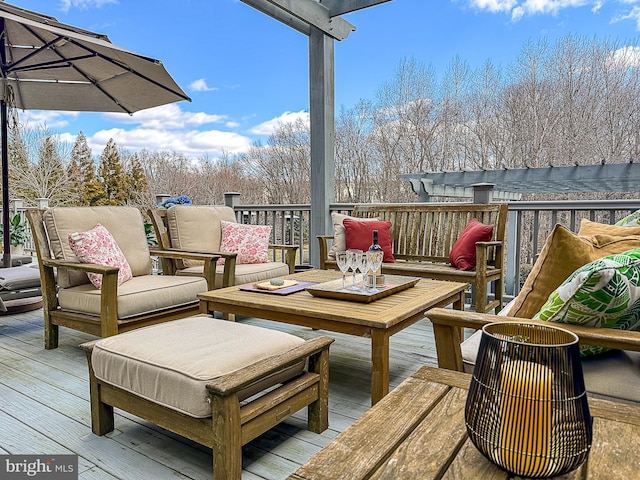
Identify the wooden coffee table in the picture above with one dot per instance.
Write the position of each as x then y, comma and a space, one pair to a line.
418, 431
379, 319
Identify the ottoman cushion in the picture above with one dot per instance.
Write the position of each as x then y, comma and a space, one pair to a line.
171, 363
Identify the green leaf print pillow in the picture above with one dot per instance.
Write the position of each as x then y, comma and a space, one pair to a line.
604, 293
632, 220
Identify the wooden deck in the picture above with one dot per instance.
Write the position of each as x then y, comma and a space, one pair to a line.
44, 407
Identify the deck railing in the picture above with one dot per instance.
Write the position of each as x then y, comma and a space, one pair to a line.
529, 224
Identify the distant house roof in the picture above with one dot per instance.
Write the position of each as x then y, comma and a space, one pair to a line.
512, 183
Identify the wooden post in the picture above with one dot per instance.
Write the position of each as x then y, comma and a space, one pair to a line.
322, 113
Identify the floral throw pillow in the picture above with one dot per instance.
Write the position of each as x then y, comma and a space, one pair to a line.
250, 242
97, 246
604, 293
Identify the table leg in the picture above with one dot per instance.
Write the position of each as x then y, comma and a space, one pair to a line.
379, 365
458, 303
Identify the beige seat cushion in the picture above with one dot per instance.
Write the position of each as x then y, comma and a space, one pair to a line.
196, 228
172, 362
124, 223
138, 296
613, 376
245, 272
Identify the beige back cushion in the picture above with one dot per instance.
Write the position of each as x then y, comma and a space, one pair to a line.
124, 223
196, 228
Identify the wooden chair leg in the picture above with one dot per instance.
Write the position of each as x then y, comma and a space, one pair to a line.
481, 296
227, 437
50, 333
318, 411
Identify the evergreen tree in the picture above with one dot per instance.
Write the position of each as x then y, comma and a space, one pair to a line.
114, 182
74, 172
87, 190
137, 186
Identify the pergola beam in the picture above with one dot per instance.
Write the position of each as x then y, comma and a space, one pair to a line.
318, 20
338, 7
301, 15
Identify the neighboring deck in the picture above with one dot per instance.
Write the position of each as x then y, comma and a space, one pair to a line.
44, 407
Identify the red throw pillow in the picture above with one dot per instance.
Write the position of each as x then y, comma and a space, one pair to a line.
360, 234
463, 252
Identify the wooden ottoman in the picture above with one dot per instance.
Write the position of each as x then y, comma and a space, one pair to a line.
216, 382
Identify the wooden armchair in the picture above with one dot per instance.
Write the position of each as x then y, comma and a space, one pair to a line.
196, 228
71, 301
614, 375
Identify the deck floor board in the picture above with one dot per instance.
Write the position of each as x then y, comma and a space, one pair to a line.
44, 407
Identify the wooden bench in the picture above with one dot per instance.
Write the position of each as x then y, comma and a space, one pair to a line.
422, 235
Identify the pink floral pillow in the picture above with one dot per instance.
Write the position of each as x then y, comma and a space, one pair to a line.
98, 246
250, 242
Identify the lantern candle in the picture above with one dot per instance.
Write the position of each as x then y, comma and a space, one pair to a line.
525, 407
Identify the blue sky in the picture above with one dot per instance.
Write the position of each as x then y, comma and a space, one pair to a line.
245, 71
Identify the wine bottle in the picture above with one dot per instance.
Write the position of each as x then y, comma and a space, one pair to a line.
375, 247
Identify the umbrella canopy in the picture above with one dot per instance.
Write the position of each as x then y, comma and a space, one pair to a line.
47, 65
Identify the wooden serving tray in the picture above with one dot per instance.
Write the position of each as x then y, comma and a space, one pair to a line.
333, 289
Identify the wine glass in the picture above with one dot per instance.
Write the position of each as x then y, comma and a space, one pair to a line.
355, 260
374, 260
363, 268
342, 259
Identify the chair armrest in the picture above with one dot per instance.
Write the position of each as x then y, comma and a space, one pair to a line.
447, 326
492, 243
289, 254
236, 381
323, 241
210, 261
81, 267
183, 254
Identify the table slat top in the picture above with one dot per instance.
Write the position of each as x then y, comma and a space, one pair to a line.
383, 313
418, 431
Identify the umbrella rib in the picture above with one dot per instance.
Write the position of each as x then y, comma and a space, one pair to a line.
103, 57
129, 69
58, 38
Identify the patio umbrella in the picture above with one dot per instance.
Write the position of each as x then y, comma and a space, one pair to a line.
47, 65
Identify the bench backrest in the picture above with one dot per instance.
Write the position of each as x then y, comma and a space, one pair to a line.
427, 231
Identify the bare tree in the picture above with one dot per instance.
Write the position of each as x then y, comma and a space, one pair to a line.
38, 168
283, 166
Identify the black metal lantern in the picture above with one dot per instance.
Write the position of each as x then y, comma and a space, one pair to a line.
527, 408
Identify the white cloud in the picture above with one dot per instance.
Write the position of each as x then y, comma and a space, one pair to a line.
166, 117
49, 119
494, 6
625, 57
520, 8
65, 5
191, 143
633, 14
270, 126
200, 85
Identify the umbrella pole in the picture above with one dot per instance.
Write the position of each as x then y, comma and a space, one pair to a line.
6, 243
